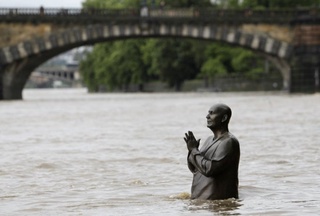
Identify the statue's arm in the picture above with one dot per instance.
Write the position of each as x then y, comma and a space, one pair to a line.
216, 163
191, 167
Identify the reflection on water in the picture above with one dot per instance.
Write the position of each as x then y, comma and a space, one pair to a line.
224, 207
182, 196
66, 152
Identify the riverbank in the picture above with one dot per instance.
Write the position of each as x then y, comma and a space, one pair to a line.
223, 84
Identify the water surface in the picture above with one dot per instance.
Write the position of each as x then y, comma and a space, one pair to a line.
66, 152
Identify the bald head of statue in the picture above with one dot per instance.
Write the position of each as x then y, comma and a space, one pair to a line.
218, 117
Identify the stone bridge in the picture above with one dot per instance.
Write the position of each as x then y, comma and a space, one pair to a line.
68, 74
29, 37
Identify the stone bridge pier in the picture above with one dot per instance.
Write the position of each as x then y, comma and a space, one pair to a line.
305, 62
14, 76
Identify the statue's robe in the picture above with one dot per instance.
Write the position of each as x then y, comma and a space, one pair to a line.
215, 168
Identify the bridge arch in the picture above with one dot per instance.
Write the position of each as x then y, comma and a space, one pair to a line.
18, 61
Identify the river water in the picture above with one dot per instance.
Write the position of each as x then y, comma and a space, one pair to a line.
66, 152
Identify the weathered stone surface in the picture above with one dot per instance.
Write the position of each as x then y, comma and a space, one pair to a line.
280, 32
15, 33
307, 35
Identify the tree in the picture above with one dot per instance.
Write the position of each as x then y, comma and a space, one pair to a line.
188, 3
272, 4
111, 4
223, 59
88, 74
114, 65
126, 62
171, 60
118, 64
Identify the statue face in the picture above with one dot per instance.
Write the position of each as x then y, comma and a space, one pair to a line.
214, 117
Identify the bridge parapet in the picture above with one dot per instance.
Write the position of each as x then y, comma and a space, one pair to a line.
62, 73
21, 24
54, 15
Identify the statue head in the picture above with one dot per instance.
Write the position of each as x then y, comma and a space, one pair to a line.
218, 117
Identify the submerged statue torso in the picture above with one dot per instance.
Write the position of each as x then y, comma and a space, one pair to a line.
216, 178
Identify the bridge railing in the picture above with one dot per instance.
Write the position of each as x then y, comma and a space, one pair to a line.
64, 11
211, 15
255, 15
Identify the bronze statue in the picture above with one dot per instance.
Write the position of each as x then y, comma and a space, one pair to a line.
215, 165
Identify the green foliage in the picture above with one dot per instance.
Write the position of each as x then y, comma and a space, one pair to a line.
170, 60
188, 3
111, 4
118, 4
213, 67
290, 3
88, 74
272, 4
224, 59
218, 60
116, 65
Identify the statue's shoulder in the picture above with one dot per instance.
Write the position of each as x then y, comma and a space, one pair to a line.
232, 137
232, 140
